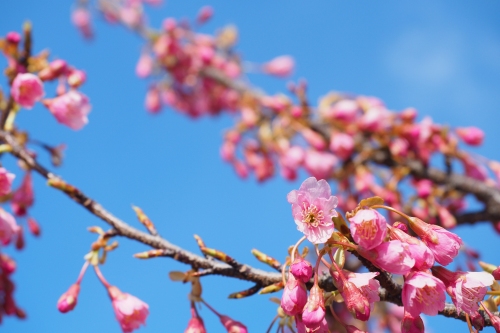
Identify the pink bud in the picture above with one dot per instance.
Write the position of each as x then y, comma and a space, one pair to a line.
27, 89
294, 296
471, 135
314, 138
8, 227
20, 238
13, 37
81, 19
33, 226
411, 324
233, 326
314, 310
7, 264
153, 100
70, 109
205, 14
301, 269
477, 321
280, 66
68, 300
76, 78
320, 164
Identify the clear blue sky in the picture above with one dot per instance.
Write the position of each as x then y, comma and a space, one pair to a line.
441, 57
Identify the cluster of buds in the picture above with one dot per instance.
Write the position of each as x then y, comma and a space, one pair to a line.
28, 74
390, 248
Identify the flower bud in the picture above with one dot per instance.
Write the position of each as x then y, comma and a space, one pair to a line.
411, 324
301, 269
314, 310
67, 301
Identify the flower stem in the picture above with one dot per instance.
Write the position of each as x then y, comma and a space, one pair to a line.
82, 272
272, 323
393, 210
101, 277
211, 308
296, 246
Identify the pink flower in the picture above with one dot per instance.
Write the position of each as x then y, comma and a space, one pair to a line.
443, 244
195, 324
280, 66
33, 226
294, 296
368, 228
399, 147
23, 196
393, 256
313, 207
153, 100
6, 179
314, 310
423, 293
67, 301
342, 145
344, 110
27, 89
130, 311
471, 135
144, 66
81, 19
76, 78
424, 187
205, 13
424, 259
290, 160
375, 119
319, 164
366, 283
301, 269
8, 227
465, 288
70, 109
412, 324
232, 326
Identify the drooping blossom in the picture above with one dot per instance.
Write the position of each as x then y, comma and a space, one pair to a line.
27, 89
314, 310
424, 258
443, 244
393, 256
68, 300
195, 324
301, 269
280, 66
6, 179
412, 324
355, 300
313, 207
320, 164
70, 109
130, 311
23, 197
368, 228
471, 135
342, 145
423, 293
465, 288
294, 296
366, 283
8, 227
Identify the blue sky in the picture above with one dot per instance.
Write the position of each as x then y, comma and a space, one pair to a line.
441, 57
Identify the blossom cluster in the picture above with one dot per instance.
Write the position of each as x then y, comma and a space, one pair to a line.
389, 248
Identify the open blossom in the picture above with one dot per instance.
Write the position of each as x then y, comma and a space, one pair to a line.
130, 311
313, 207
314, 310
344, 110
393, 256
6, 179
23, 197
342, 145
443, 244
320, 164
294, 296
8, 227
279, 66
465, 288
423, 293
70, 109
366, 283
368, 228
27, 89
